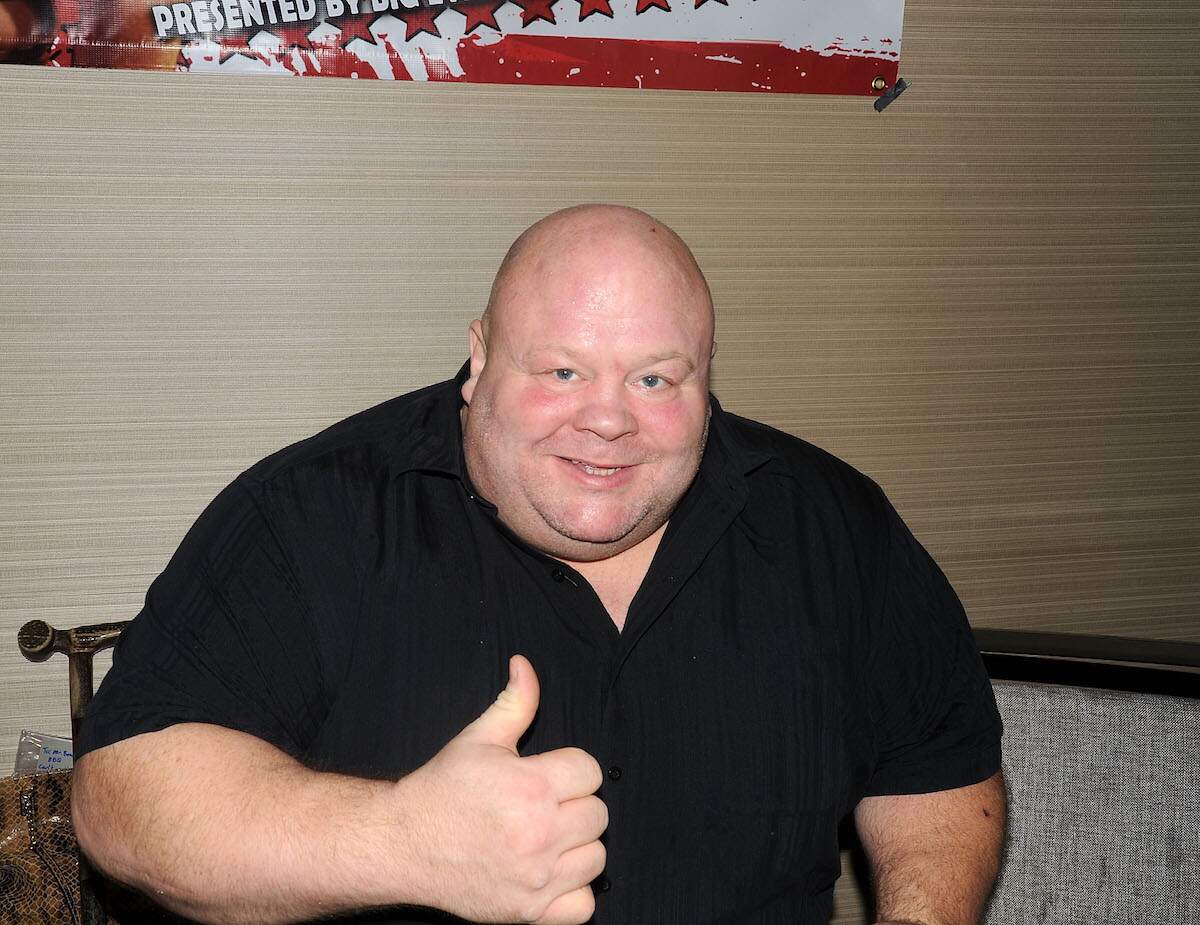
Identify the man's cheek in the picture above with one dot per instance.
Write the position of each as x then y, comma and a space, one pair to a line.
674, 424
535, 406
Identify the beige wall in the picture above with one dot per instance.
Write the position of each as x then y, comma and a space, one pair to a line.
987, 297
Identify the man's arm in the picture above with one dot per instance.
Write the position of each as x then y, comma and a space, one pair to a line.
216, 824
934, 856
221, 827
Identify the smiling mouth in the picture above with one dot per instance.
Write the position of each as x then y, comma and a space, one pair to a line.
596, 470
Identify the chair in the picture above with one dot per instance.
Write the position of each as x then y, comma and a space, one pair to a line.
1101, 756
1104, 784
39, 850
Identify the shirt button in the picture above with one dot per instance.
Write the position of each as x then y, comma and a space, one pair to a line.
602, 884
614, 773
558, 575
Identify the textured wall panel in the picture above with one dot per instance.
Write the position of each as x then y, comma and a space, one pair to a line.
986, 297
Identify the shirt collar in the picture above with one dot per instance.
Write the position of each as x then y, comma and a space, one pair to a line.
436, 439
729, 456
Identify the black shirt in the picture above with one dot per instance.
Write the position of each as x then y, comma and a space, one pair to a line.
792, 649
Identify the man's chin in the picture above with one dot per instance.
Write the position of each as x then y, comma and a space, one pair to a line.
592, 545
570, 550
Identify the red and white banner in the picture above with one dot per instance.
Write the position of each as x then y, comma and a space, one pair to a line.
782, 46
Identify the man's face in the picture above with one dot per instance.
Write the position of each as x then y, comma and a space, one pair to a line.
588, 398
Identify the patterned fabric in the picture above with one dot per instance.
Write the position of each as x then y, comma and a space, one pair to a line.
1104, 807
39, 860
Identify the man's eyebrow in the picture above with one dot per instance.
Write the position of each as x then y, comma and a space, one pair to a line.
557, 350
665, 357
539, 350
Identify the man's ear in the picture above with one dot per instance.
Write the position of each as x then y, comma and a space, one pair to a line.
478, 358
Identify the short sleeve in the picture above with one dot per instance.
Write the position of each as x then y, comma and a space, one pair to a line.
227, 637
934, 714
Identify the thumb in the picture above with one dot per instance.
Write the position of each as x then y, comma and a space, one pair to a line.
505, 721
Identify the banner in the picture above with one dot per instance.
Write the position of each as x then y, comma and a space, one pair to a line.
780, 46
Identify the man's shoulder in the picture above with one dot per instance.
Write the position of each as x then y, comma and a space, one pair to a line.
405, 432
795, 489
772, 456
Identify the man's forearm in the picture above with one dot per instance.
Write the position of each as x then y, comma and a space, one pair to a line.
935, 887
221, 827
934, 857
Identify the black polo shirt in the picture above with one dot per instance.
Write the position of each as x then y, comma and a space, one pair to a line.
792, 649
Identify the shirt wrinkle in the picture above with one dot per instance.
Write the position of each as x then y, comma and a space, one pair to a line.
293, 575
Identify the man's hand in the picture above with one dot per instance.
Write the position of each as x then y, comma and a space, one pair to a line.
506, 838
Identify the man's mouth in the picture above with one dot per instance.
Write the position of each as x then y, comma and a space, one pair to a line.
596, 470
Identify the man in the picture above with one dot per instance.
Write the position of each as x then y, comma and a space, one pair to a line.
727, 641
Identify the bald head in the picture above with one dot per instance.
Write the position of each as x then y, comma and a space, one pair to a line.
586, 407
597, 230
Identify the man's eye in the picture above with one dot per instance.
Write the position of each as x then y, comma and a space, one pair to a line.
653, 382
564, 375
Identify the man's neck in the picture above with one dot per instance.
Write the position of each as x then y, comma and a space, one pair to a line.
616, 579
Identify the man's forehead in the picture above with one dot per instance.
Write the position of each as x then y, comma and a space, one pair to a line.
648, 318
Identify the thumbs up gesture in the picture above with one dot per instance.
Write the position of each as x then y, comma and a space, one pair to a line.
504, 838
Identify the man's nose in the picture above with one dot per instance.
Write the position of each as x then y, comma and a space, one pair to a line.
605, 412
